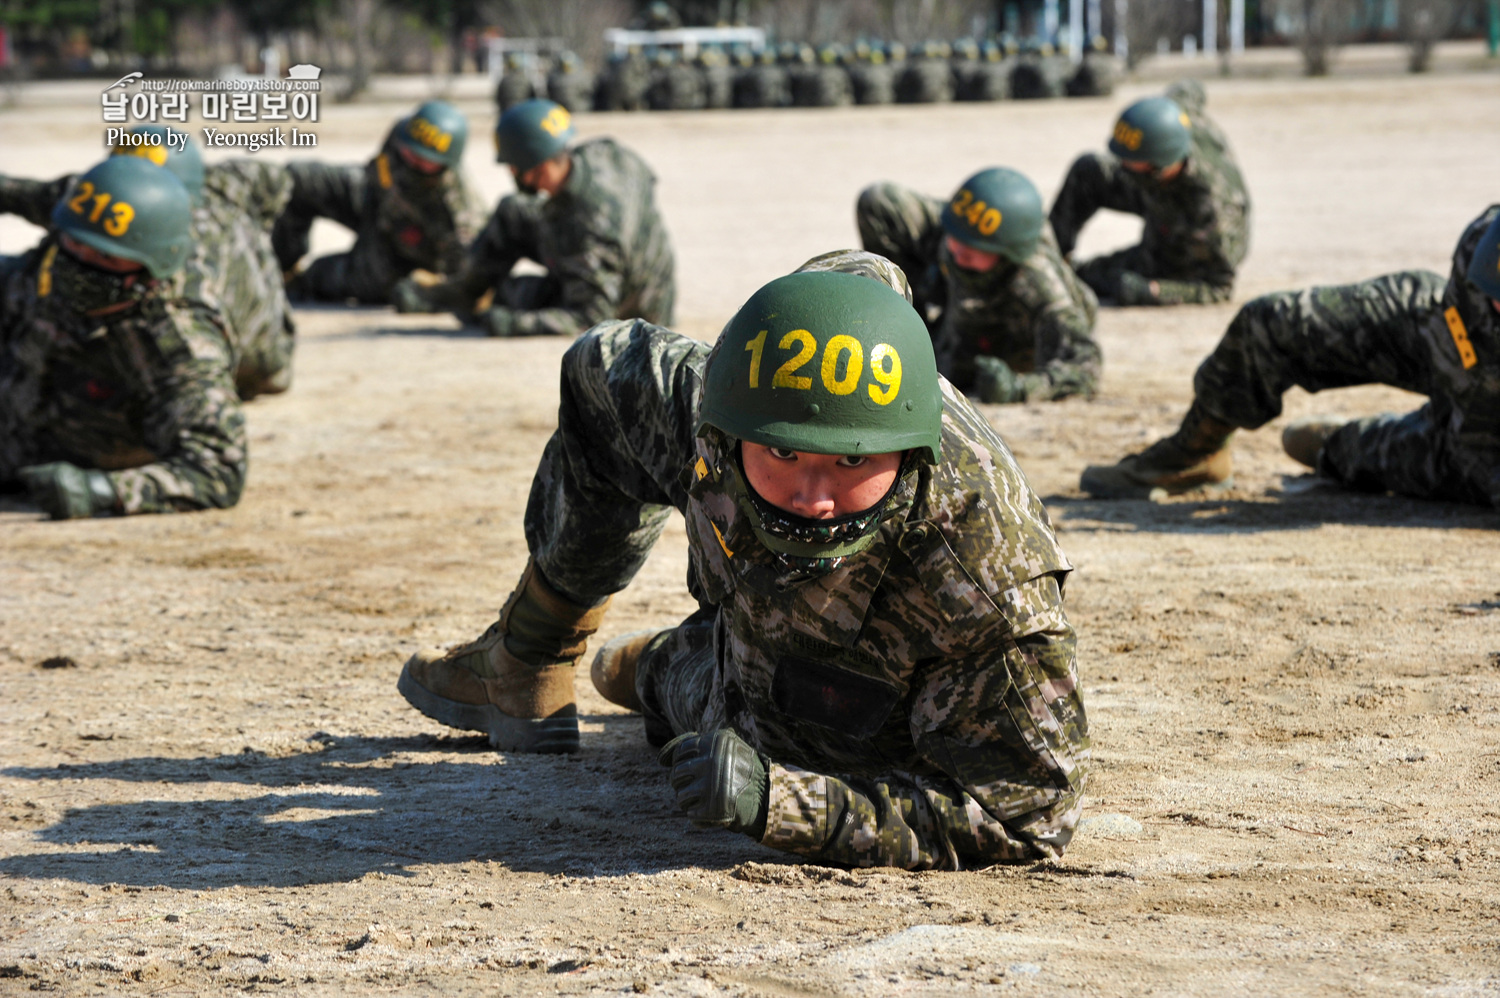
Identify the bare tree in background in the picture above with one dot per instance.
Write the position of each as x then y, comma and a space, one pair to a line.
580, 23
1423, 23
1320, 27
1147, 24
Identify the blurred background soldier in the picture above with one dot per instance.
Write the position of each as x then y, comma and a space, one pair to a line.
818, 80
625, 81
569, 84
409, 208
515, 83
587, 213
675, 84
1039, 73
1010, 320
859, 687
871, 78
718, 77
926, 77
116, 391
764, 84
1412, 330
1097, 73
987, 78
231, 267
1171, 165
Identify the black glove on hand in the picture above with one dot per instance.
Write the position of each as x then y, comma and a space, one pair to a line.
67, 491
720, 780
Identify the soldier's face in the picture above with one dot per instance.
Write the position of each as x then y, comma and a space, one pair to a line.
1149, 170
969, 258
426, 167
84, 253
547, 176
818, 486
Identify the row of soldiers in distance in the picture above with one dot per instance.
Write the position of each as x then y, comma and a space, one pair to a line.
1011, 315
793, 75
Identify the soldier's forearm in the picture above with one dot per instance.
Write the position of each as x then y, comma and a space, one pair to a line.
32, 200
1205, 292
549, 322
177, 486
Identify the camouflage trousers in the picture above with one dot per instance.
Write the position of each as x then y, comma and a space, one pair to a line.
607, 482
367, 271
906, 228
1094, 182
1376, 332
265, 363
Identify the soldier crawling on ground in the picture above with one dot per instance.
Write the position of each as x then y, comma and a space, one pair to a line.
587, 213
881, 671
1171, 165
116, 389
409, 207
232, 266
1010, 320
1411, 330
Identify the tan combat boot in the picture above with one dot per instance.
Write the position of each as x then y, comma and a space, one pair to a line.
1303, 439
515, 681
1195, 457
613, 670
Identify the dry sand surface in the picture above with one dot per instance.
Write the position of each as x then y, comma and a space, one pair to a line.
1294, 691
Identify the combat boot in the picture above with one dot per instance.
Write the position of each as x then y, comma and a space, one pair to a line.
1195, 457
1303, 439
515, 681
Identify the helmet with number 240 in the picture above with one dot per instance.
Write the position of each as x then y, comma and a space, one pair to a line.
826, 363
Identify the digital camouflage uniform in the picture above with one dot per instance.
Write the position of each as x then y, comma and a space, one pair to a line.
147, 395
600, 237
1037, 316
1197, 225
1412, 330
402, 221
919, 705
232, 266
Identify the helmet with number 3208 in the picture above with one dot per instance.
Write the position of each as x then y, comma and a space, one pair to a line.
826, 363
130, 208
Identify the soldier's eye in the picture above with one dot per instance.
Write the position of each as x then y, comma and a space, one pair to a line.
852, 460
783, 453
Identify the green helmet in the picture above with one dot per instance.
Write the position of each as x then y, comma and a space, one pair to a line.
1484, 265
129, 208
826, 363
998, 211
1154, 130
533, 132
186, 162
436, 132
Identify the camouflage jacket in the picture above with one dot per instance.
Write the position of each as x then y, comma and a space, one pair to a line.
148, 394
1037, 316
232, 267
600, 238
1464, 333
423, 221
1197, 225
919, 705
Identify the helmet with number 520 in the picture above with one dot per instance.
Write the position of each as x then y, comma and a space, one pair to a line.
127, 207
826, 363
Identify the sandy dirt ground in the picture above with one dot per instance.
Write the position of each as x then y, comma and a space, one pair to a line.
209, 784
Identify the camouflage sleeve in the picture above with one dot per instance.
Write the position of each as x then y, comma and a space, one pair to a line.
1068, 359
32, 200
1005, 726
592, 285
195, 425
1094, 181
1195, 292
259, 188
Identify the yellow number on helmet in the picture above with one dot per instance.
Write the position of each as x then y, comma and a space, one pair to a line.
961, 201
989, 222
885, 367
786, 375
76, 203
836, 347
120, 217
556, 122
156, 154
